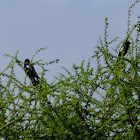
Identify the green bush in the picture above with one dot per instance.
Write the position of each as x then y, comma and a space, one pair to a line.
89, 102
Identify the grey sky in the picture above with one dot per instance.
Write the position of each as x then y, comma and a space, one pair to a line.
69, 28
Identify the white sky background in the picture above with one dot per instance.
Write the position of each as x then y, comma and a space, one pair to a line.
69, 28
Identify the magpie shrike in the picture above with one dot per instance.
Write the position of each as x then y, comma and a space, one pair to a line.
30, 71
123, 49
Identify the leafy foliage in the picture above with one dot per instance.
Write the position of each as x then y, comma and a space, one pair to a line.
99, 101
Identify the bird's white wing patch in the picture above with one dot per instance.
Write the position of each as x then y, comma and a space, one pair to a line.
121, 49
27, 66
35, 78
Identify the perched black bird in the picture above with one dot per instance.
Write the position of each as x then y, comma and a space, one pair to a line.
123, 49
30, 71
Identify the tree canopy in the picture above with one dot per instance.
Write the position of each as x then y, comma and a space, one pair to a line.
100, 99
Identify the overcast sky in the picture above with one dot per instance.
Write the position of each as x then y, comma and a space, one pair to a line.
69, 28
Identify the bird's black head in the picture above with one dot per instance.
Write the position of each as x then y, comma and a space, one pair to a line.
127, 42
27, 61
